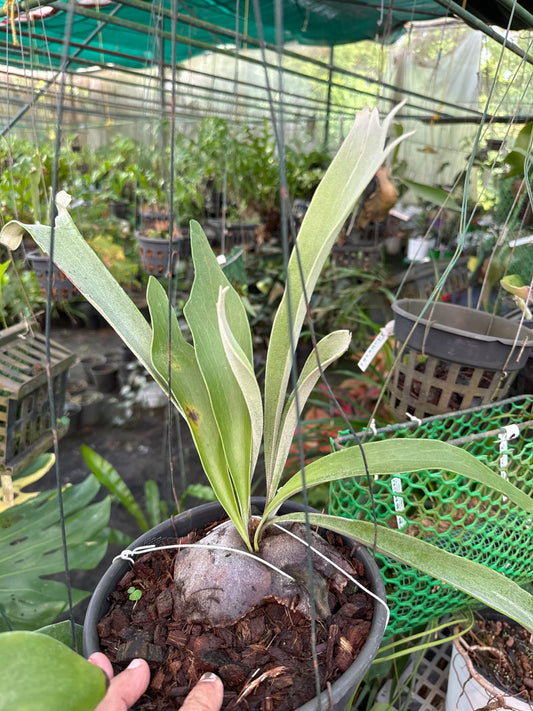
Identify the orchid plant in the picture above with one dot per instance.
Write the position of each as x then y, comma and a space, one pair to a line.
212, 381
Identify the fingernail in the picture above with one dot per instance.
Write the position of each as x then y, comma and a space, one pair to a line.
209, 676
135, 663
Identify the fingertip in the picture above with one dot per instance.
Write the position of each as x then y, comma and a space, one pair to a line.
100, 660
207, 695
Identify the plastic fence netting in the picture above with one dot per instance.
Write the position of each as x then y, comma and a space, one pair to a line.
459, 515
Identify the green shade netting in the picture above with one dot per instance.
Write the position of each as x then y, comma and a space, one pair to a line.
129, 37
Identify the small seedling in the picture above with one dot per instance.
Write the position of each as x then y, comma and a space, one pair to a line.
134, 594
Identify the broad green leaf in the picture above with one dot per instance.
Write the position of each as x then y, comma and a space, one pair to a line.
108, 476
516, 158
514, 285
198, 491
31, 549
229, 406
190, 393
395, 456
361, 154
39, 672
479, 581
245, 376
430, 193
329, 349
73, 255
33, 473
62, 631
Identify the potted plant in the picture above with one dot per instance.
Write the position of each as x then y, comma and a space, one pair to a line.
213, 385
490, 666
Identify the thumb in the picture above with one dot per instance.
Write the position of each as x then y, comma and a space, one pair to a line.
207, 695
127, 687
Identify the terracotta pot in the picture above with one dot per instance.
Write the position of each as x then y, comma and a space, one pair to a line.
341, 690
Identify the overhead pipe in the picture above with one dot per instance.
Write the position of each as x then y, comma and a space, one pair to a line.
35, 98
472, 20
205, 46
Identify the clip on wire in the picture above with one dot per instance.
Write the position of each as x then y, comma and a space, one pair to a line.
413, 418
505, 435
128, 554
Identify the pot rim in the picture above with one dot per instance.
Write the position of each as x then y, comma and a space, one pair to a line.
410, 308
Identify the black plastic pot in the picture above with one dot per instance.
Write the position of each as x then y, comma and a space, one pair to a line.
455, 358
461, 334
105, 377
341, 691
154, 251
62, 288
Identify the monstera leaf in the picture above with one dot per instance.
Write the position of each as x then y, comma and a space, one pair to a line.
31, 550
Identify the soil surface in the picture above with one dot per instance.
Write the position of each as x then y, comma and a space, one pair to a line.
502, 651
264, 659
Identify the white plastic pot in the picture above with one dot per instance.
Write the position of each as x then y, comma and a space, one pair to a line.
466, 693
418, 248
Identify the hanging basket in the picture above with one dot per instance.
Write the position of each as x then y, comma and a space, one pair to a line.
154, 251
62, 288
25, 423
456, 514
455, 358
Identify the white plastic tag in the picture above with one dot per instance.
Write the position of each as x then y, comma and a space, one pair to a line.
376, 345
508, 433
399, 504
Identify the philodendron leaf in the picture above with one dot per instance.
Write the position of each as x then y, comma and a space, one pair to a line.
229, 406
31, 550
329, 349
522, 294
62, 631
39, 672
361, 154
430, 193
514, 285
517, 157
395, 456
190, 393
73, 255
479, 581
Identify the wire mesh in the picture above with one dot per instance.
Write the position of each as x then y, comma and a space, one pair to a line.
440, 507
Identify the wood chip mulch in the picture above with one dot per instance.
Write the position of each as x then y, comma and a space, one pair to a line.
264, 659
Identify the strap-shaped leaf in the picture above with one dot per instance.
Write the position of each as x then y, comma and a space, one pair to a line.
329, 349
395, 456
190, 393
73, 255
479, 581
361, 154
245, 375
108, 476
30, 548
228, 403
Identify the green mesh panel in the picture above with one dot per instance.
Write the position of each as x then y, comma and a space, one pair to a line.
456, 514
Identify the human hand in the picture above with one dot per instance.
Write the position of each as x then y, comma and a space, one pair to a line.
124, 688
128, 686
